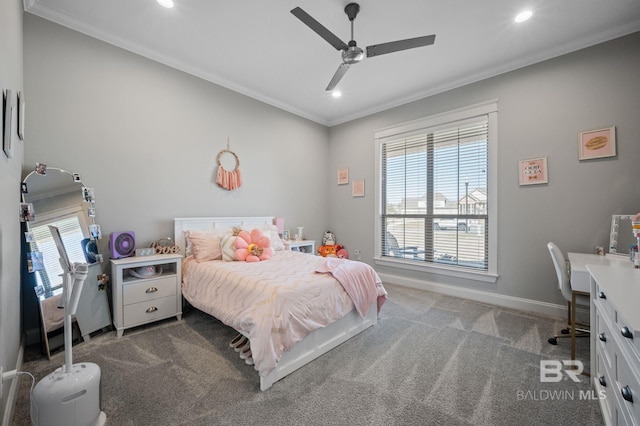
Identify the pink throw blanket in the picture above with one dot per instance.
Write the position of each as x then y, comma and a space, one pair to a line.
359, 280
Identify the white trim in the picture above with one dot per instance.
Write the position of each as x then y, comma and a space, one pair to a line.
488, 108
510, 302
12, 396
450, 271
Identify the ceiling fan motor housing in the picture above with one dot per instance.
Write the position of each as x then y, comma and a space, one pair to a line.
352, 54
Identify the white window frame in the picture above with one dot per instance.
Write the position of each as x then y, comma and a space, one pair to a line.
489, 109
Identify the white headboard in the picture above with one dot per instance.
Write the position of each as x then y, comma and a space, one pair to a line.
183, 224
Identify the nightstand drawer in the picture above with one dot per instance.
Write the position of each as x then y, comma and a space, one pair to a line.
149, 289
143, 312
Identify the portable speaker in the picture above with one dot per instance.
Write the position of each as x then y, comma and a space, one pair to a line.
122, 244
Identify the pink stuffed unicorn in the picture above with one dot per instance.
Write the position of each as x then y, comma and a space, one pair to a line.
253, 247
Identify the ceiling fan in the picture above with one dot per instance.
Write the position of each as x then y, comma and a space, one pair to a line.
351, 53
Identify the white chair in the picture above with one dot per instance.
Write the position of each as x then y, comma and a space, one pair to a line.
564, 284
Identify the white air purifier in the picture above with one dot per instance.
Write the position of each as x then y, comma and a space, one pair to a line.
70, 396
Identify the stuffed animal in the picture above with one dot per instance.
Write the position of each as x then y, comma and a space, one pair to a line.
342, 253
332, 250
252, 247
328, 239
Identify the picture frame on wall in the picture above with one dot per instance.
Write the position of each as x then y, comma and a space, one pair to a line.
7, 117
533, 171
357, 190
599, 143
21, 111
343, 176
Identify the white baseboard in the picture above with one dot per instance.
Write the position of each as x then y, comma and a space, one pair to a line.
511, 302
12, 396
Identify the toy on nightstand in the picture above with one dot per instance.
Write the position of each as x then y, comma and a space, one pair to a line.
329, 248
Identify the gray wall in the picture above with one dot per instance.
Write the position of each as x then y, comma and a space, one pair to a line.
541, 110
147, 136
10, 169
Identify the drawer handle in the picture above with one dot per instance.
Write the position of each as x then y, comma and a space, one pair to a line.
151, 290
626, 393
602, 337
626, 332
602, 381
151, 309
601, 295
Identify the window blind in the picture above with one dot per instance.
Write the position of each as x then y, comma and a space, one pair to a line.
434, 195
71, 232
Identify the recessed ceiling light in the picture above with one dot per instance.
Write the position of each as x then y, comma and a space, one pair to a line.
523, 16
336, 93
166, 3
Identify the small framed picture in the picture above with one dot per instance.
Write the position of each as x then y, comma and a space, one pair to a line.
9, 112
21, 112
598, 143
533, 171
285, 235
343, 176
357, 190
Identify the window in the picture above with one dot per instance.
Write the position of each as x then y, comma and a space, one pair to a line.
435, 206
50, 279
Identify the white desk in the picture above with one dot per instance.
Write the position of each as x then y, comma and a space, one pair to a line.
580, 279
580, 276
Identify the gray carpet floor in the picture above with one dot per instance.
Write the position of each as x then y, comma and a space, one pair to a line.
430, 360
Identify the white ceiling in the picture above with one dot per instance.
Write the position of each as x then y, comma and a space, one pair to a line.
260, 49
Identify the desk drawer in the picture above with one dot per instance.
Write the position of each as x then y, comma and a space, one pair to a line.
149, 289
143, 312
604, 305
605, 385
628, 382
630, 338
605, 340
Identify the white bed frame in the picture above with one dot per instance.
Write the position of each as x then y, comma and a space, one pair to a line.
316, 343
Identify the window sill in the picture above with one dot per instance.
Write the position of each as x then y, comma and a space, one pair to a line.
467, 274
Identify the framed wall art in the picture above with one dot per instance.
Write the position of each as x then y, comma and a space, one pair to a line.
533, 171
9, 111
343, 176
21, 111
600, 143
357, 190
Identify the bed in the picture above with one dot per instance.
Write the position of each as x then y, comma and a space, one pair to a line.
252, 297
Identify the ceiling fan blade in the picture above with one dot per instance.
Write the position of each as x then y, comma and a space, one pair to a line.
320, 29
395, 46
342, 69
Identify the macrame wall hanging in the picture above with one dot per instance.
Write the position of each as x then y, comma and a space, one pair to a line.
228, 179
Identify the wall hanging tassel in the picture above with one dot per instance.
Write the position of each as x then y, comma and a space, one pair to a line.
226, 179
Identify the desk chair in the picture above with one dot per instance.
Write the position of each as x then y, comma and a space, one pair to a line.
564, 284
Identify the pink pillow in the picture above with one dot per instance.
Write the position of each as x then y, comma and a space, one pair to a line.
205, 246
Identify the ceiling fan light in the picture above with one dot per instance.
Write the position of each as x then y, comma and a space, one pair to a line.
352, 55
166, 3
523, 16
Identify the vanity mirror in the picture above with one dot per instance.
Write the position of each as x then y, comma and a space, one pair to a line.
621, 234
53, 196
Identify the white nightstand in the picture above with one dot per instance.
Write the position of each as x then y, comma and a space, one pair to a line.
138, 301
303, 246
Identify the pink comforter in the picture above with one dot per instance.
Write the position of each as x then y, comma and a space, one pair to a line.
276, 303
359, 280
